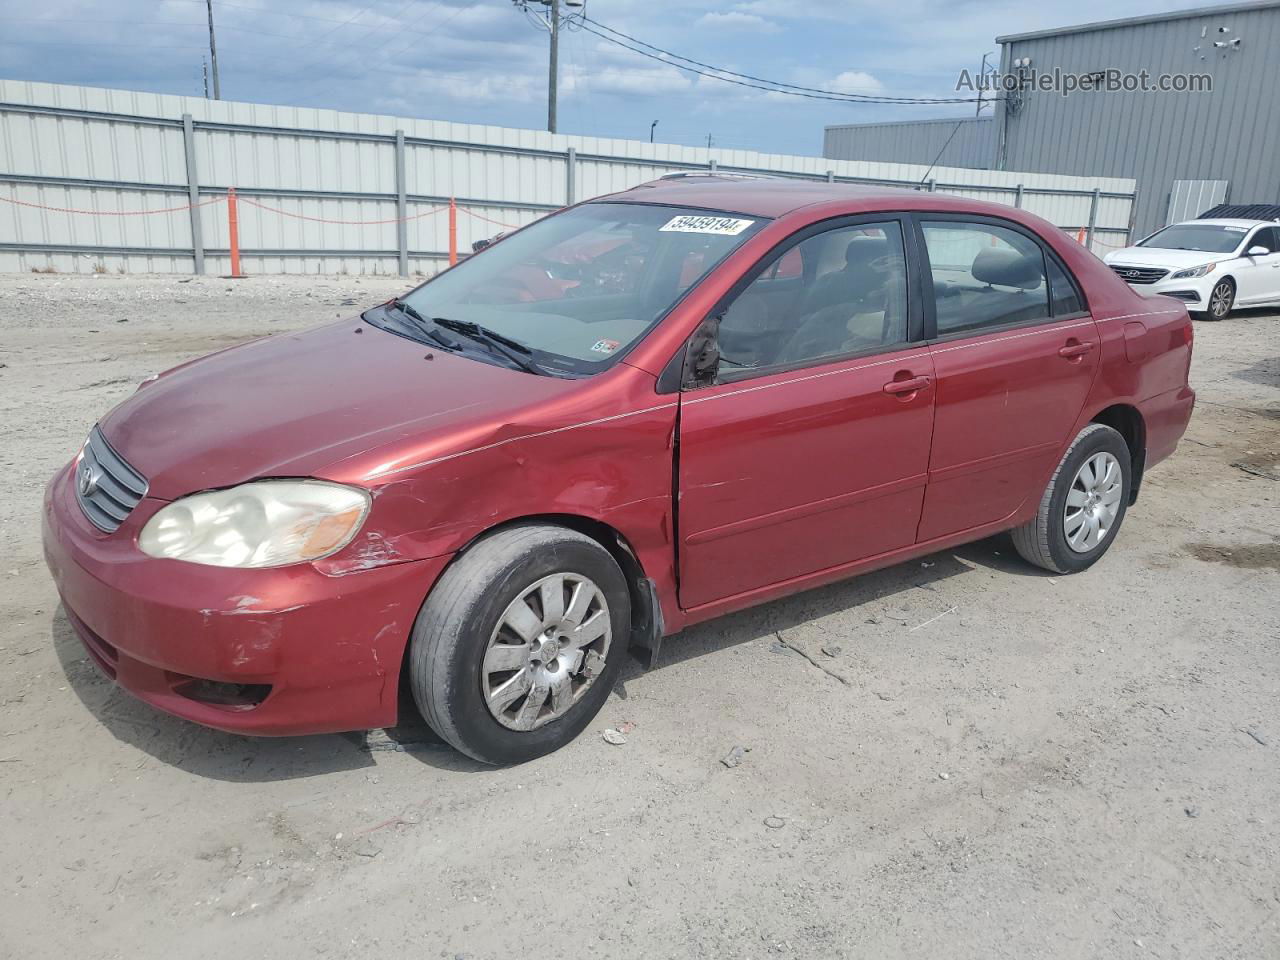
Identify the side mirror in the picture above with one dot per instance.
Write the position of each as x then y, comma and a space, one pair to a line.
1258, 250
703, 359
486, 242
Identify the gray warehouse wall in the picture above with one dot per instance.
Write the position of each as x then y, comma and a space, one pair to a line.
915, 141
1230, 134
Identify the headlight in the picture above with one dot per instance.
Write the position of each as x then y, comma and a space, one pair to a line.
1200, 271
268, 523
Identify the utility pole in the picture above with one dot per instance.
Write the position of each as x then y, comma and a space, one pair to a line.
204, 72
551, 23
554, 72
651, 126
982, 79
213, 52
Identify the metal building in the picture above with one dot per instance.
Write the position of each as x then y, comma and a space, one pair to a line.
1187, 150
955, 143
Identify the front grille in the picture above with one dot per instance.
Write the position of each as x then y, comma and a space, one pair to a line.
1139, 274
106, 486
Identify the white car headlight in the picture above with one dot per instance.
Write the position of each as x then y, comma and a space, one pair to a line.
1190, 272
267, 523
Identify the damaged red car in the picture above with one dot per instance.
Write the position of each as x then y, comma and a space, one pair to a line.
633, 415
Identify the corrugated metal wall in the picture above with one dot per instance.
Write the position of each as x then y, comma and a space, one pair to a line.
1230, 134
1190, 198
319, 191
972, 142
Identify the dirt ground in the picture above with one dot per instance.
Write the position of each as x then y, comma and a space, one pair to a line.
972, 760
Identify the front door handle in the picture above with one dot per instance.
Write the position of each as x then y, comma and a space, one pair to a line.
910, 385
1074, 348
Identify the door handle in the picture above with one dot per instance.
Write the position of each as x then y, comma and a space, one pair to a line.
910, 385
1073, 349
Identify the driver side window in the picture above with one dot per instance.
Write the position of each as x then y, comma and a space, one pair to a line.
835, 293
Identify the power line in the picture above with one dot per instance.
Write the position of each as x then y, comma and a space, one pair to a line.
101, 43
959, 124
745, 79
306, 39
316, 59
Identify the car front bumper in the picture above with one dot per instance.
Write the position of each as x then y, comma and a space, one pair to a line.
1194, 292
281, 651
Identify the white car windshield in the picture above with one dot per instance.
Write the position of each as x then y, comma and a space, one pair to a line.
580, 287
1204, 237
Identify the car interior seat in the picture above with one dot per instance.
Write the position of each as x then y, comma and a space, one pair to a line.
848, 308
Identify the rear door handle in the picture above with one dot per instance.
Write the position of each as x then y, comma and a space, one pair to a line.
1073, 350
912, 385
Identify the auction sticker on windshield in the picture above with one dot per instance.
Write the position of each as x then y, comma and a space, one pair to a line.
725, 226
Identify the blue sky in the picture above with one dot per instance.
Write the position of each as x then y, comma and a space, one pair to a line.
482, 61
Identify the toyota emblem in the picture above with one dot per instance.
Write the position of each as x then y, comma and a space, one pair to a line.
88, 479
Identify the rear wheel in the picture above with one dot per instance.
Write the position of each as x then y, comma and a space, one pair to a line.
518, 645
1221, 299
1083, 506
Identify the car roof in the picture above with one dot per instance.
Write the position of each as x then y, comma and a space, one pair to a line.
764, 196
1226, 222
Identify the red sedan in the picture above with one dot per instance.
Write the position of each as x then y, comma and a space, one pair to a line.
720, 391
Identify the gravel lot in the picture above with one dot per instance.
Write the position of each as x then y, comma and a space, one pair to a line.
972, 760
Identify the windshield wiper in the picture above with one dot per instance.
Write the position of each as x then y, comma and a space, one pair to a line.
513, 350
423, 325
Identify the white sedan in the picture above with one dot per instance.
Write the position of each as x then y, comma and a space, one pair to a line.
1210, 265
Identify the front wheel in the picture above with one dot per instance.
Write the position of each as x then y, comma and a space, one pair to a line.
1221, 299
1083, 506
518, 645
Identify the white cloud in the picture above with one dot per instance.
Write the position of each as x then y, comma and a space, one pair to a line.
624, 80
850, 81
610, 69
855, 81
406, 90
737, 20
481, 61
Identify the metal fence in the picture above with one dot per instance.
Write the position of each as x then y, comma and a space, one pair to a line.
107, 180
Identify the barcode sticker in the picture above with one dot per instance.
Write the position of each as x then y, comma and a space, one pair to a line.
724, 226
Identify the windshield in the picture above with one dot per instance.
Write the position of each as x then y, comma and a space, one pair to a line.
579, 288
1205, 237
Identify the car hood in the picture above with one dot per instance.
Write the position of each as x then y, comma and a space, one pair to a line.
293, 405
1159, 257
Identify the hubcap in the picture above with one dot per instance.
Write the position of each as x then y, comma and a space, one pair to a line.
1093, 502
547, 649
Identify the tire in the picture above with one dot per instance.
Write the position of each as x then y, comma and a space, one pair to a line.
454, 682
1044, 540
1221, 300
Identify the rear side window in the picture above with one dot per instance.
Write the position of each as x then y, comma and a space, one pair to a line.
984, 276
1062, 292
